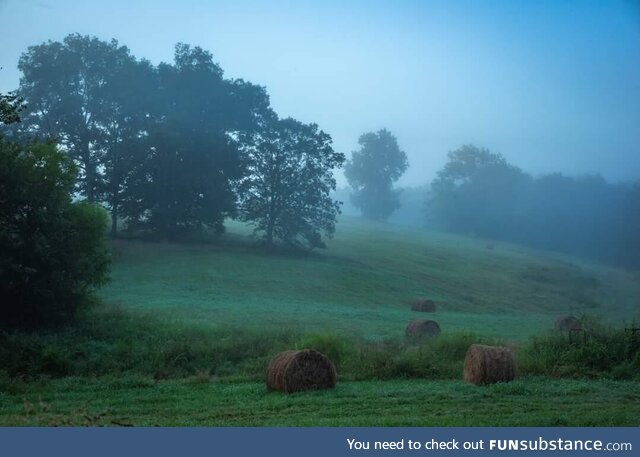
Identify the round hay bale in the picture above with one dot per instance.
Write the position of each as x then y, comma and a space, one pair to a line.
489, 364
419, 328
294, 371
424, 306
567, 323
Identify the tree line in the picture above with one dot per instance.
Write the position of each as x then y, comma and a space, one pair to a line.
176, 148
94, 133
479, 192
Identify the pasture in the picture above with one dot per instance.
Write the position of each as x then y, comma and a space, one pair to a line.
363, 283
185, 331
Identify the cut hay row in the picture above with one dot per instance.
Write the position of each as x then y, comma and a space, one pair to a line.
295, 371
489, 364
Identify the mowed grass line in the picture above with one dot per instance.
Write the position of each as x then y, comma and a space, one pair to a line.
362, 284
199, 402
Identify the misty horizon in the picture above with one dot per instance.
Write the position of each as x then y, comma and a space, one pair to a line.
553, 88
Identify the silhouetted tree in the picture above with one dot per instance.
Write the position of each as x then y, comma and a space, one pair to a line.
69, 89
285, 193
372, 171
182, 179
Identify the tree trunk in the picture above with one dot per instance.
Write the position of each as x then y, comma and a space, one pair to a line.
114, 221
270, 226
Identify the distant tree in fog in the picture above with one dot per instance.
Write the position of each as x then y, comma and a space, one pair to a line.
285, 193
372, 171
477, 191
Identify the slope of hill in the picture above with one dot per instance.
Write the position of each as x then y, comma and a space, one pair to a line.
363, 283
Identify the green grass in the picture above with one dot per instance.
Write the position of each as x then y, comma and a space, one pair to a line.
186, 331
199, 401
361, 285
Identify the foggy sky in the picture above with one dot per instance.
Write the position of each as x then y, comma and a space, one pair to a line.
554, 86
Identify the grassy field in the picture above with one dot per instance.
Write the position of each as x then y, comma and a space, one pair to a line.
186, 331
362, 284
197, 402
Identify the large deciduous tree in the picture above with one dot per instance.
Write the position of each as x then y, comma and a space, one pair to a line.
285, 193
372, 171
69, 90
184, 174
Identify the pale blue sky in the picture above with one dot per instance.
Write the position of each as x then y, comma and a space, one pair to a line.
553, 85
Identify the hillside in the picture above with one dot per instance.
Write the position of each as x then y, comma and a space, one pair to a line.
362, 284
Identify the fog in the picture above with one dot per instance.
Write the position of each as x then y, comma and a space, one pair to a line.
367, 195
553, 86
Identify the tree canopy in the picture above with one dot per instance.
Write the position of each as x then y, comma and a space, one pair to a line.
184, 173
285, 192
69, 88
372, 171
479, 192
177, 147
157, 145
475, 189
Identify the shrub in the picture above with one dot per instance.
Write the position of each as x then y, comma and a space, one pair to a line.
606, 352
53, 250
434, 358
330, 344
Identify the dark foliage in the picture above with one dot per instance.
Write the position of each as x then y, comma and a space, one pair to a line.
10, 107
52, 250
69, 88
157, 145
183, 178
285, 193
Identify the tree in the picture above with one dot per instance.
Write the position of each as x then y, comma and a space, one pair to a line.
131, 94
372, 171
285, 193
52, 250
189, 159
69, 90
478, 192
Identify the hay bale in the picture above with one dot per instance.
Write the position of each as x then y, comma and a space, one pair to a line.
568, 323
424, 306
294, 371
419, 328
489, 364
